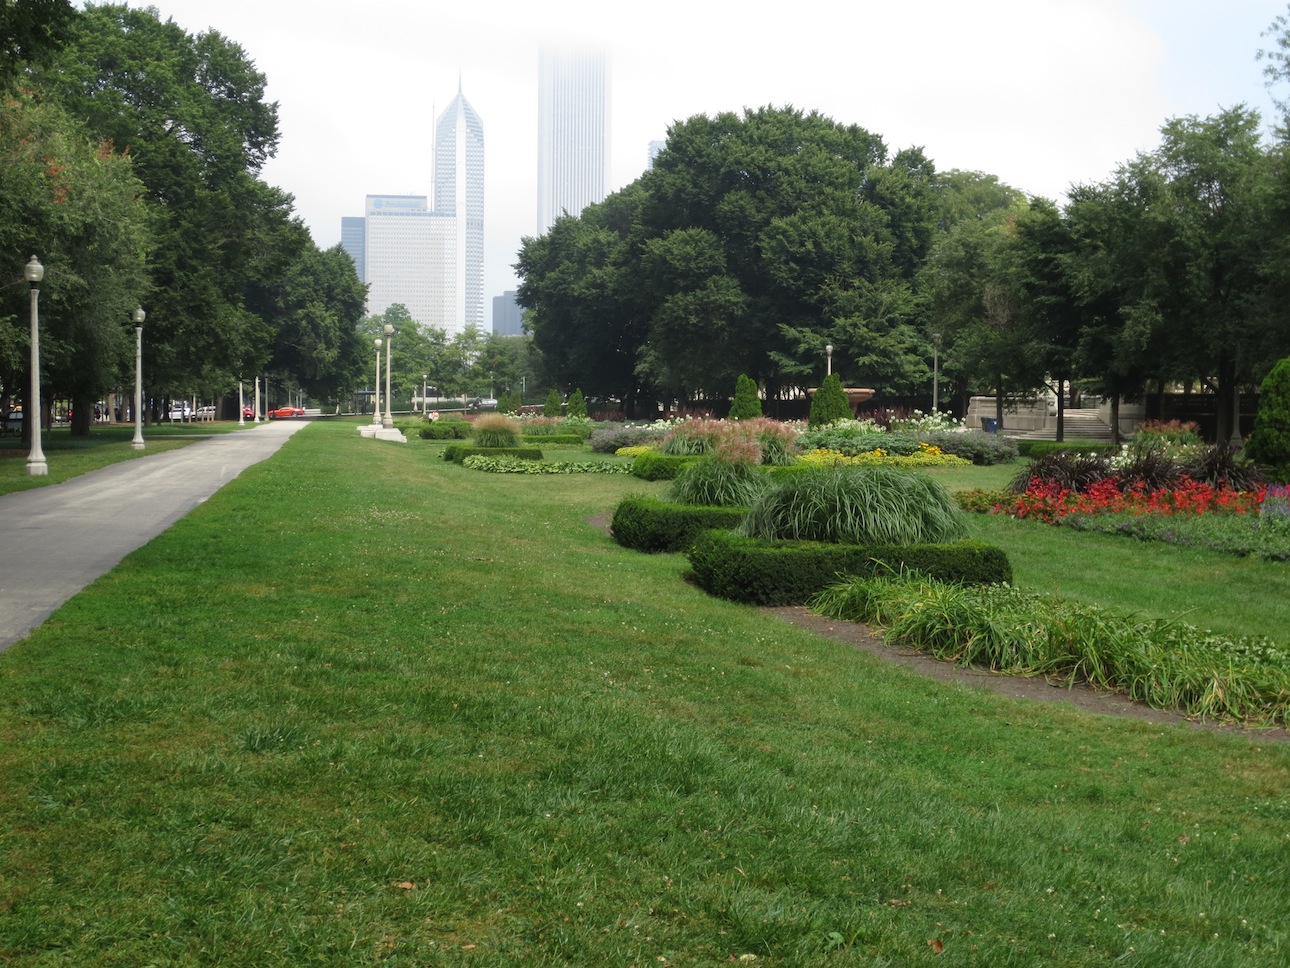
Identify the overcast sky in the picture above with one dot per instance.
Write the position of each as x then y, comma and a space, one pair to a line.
1041, 93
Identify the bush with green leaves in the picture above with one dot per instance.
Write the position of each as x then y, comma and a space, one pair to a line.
653, 466
494, 464
856, 505
577, 405
495, 430
456, 453
829, 402
647, 524
715, 482
850, 438
444, 430
1038, 448
1269, 444
762, 572
1264, 535
609, 440
980, 448
554, 405
747, 402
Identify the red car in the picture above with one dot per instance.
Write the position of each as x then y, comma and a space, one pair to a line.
286, 412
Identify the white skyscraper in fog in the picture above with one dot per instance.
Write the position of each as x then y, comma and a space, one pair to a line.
573, 132
459, 191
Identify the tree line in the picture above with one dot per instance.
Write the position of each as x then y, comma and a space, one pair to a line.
757, 240
130, 162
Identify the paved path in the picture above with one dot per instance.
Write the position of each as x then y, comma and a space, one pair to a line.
58, 539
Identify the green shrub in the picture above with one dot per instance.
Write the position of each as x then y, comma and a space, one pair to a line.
518, 465
761, 572
577, 405
659, 467
495, 430
829, 403
718, 483
1072, 470
977, 446
747, 402
445, 430
1038, 448
856, 505
553, 439
553, 406
692, 437
608, 440
1269, 444
456, 453
646, 524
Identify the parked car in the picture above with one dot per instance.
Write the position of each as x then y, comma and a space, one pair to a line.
286, 412
205, 413
248, 413
13, 423
181, 412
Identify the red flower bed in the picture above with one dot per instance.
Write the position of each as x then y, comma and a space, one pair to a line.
1045, 501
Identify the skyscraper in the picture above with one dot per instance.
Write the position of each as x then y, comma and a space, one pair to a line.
573, 133
459, 192
430, 259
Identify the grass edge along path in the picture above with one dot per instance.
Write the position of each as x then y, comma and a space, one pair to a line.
363, 707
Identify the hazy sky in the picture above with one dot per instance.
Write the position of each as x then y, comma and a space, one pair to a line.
1042, 93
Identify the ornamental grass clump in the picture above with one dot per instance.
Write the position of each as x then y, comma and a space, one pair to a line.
495, 430
856, 505
713, 482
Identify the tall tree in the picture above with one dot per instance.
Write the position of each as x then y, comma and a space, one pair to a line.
191, 112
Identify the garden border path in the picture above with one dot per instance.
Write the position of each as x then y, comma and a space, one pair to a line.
58, 539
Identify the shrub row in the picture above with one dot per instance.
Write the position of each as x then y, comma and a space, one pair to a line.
459, 452
647, 524
660, 467
518, 465
607, 440
791, 572
1038, 448
445, 430
553, 439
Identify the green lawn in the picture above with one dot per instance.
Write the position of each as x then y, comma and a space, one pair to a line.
68, 456
364, 707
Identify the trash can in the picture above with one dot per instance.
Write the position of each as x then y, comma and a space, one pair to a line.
990, 425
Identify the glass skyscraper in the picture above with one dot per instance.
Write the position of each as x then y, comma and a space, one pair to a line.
573, 133
459, 192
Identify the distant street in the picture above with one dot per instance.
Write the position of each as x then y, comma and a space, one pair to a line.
58, 539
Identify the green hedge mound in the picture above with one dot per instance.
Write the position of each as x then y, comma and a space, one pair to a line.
458, 452
660, 467
445, 430
761, 572
1038, 448
647, 524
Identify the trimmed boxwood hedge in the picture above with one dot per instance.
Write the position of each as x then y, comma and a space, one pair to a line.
459, 452
1037, 448
445, 430
554, 439
647, 524
660, 467
763, 572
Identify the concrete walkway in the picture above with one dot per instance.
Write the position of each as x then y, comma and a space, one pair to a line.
58, 539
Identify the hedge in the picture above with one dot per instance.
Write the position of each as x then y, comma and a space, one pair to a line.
660, 467
459, 452
762, 572
647, 524
1037, 448
553, 439
445, 430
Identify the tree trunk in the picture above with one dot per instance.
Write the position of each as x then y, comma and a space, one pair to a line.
82, 415
1115, 418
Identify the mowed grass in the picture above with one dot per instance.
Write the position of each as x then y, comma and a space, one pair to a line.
67, 456
364, 707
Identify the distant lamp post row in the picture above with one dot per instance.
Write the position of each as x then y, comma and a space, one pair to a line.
376, 399
387, 422
139, 316
36, 466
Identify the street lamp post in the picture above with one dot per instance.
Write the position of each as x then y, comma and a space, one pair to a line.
376, 398
36, 466
425, 391
387, 422
139, 316
828, 359
936, 373
241, 405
